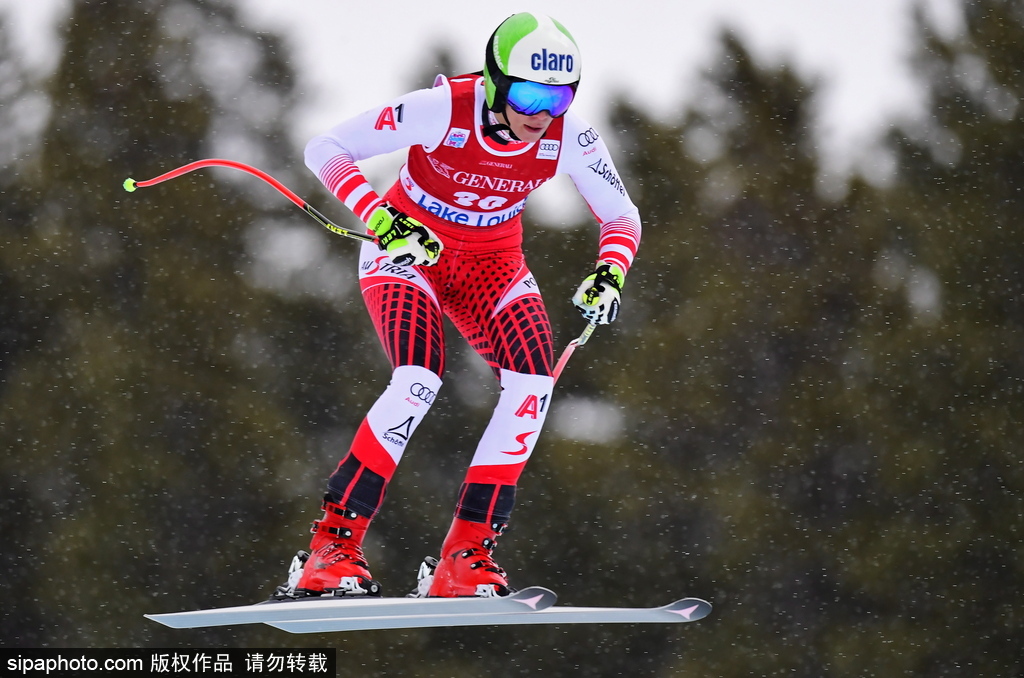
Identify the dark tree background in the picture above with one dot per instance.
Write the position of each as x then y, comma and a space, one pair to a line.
808, 408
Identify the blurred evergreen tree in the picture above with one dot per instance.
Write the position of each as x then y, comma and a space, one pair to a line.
19, 320
945, 371
162, 375
750, 283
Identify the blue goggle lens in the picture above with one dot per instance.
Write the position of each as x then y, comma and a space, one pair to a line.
530, 98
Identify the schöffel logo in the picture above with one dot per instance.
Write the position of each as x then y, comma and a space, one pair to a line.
605, 171
550, 61
399, 435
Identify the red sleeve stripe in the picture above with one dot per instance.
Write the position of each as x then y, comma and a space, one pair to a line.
343, 178
619, 241
364, 207
336, 171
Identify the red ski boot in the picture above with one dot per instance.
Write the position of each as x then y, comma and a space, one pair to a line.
466, 567
337, 565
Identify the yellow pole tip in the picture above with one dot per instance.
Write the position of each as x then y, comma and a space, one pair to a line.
129, 185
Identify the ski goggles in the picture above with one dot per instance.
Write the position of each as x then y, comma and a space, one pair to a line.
530, 98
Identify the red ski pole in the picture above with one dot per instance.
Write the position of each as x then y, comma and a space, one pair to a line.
571, 348
130, 185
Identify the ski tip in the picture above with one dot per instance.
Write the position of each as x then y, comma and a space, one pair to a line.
129, 185
535, 598
689, 609
165, 619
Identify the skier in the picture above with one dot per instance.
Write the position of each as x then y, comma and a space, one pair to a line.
449, 243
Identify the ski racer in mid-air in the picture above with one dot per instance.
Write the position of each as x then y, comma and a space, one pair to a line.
449, 236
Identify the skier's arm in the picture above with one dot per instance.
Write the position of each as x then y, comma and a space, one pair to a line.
417, 118
585, 158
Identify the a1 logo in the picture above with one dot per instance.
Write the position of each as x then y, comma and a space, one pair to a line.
532, 406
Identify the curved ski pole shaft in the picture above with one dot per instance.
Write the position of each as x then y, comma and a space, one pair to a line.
571, 348
130, 185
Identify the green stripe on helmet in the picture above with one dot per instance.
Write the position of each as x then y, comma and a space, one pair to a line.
564, 30
509, 33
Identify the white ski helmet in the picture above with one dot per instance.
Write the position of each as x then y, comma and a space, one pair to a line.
531, 48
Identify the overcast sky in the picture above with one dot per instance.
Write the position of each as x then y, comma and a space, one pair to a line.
353, 55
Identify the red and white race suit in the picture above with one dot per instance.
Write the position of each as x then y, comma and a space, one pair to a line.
470, 190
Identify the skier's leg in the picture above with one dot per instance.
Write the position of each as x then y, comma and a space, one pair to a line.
488, 494
519, 339
356, 489
408, 323
360, 480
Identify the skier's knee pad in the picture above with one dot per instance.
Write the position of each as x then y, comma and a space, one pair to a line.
402, 406
516, 423
413, 385
525, 396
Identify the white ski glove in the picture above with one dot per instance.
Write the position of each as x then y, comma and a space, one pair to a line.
598, 296
407, 241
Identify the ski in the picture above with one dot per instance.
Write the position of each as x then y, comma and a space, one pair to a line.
685, 610
355, 608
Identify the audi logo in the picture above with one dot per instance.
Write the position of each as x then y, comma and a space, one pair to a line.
587, 138
420, 391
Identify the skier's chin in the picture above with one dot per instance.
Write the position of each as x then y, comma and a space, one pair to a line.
531, 134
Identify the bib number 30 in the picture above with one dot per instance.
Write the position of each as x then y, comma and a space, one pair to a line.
468, 199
